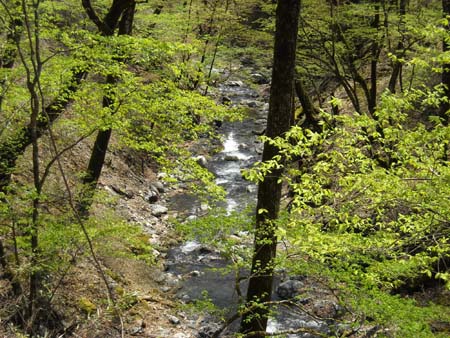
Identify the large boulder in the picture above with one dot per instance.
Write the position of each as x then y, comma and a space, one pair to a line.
289, 289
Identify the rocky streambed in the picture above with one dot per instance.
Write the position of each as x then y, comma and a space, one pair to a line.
195, 265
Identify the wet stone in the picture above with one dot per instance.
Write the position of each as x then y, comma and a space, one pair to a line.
259, 131
250, 103
262, 121
235, 83
231, 158
226, 100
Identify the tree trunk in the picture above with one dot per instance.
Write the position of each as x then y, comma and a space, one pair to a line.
446, 67
100, 147
269, 190
397, 65
9, 55
376, 49
309, 110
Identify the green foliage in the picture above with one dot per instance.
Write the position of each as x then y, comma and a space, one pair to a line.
204, 305
369, 210
371, 229
222, 231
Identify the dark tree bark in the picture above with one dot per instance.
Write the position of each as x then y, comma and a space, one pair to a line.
375, 54
400, 51
446, 67
100, 147
349, 61
311, 112
108, 25
269, 190
8, 274
8, 58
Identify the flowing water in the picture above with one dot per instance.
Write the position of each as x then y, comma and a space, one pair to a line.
197, 263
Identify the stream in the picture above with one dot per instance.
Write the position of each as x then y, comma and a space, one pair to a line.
193, 262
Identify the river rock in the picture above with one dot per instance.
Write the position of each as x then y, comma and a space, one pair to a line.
159, 210
190, 246
208, 330
259, 148
259, 131
250, 103
152, 197
201, 160
289, 289
173, 320
195, 273
191, 218
184, 298
326, 308
261, 121
171, 280
158, 186
251, 189
231, 158
259, 78
226, 100
243, 146
161, 175
234, 83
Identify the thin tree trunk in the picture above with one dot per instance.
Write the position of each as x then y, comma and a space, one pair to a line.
9, 55
309, 110
376, 49
446, 67
33, 69
8, 273
269, 190
397, 65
